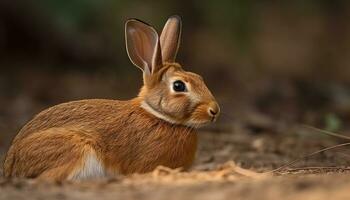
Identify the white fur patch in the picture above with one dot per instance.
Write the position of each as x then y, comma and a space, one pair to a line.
91, 168
149, 109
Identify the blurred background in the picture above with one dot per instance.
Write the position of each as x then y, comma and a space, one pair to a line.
270, 64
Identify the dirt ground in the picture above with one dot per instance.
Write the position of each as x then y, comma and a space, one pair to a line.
231, 164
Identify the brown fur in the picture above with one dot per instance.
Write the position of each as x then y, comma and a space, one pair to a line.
136, 143
97, 137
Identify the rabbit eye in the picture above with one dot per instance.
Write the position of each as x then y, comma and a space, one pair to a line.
179, 86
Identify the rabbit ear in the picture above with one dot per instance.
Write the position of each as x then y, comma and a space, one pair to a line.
142, 45
170, 38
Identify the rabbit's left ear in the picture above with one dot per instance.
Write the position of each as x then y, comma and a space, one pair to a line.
170, 39
143, 46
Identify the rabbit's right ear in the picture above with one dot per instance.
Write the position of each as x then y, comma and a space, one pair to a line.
143, 46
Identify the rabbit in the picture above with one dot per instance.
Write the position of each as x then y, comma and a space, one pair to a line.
97, 138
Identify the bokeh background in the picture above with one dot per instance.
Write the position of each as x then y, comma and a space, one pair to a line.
270, 64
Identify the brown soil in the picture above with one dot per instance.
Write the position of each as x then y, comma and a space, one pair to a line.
231, 164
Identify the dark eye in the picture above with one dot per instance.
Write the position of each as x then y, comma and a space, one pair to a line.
179, 86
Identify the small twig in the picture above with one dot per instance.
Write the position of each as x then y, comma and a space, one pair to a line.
307, 156
326, 132
313, 168
314, 153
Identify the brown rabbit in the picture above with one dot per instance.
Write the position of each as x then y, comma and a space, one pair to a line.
97, 138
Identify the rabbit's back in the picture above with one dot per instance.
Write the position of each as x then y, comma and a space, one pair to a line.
92, 113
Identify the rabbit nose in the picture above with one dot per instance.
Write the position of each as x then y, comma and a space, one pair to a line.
213, 109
